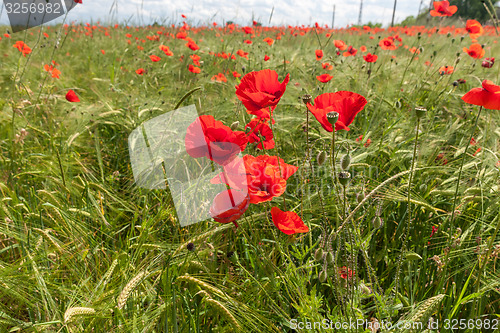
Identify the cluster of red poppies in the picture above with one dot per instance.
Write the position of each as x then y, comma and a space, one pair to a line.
249, 179
256, 179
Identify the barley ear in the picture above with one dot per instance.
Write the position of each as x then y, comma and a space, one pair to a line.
77, 311
124, 295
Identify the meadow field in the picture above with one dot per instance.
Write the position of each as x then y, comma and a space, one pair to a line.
390, 219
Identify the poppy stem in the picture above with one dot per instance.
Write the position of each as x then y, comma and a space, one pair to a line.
226, 181
461, 168
332, 157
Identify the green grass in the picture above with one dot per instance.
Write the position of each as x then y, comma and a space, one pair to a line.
75, 231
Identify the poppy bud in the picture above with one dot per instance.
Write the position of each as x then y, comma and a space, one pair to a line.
364, 289
322, 276
419, 35
190, 247
345, 161
344, 178
420, 111
377, 222
457, 61
448, 35
410, 256
453, 40
321, 157
462, 38
235, 125
318, 255
423, 188
306, 98
434, 53
243, 69
332, 117
360, 196
455, 83
329, 258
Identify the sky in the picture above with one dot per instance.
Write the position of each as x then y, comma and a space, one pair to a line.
286, 12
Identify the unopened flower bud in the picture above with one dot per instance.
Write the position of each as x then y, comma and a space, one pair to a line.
345, 161
377, 222
318, 255
322, 276
235, 125
321, 157
364, 289
329, 258
360, 196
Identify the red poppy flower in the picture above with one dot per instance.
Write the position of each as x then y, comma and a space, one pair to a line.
446, 70
370, 57
54, 72
488, 62
166, 50
71, 96
260, 129
346, 103
266, 57
229, 205
22, 47
248, 30
340, 45
192, 44
351, 51
269, 41
236, 74
196, 59
346, 273
219, 78
259, 90
327, 66
488, 96
443, 8
207, 137
475, 51
266, 178
140, 71
414, 50
154, 58
363, 48
387, 44
324, 78
242, 54
474, 28
181, 35
194, 69
319, 54
103, 52
288, 222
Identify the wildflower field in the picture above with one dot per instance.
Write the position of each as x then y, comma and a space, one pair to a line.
359, 167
